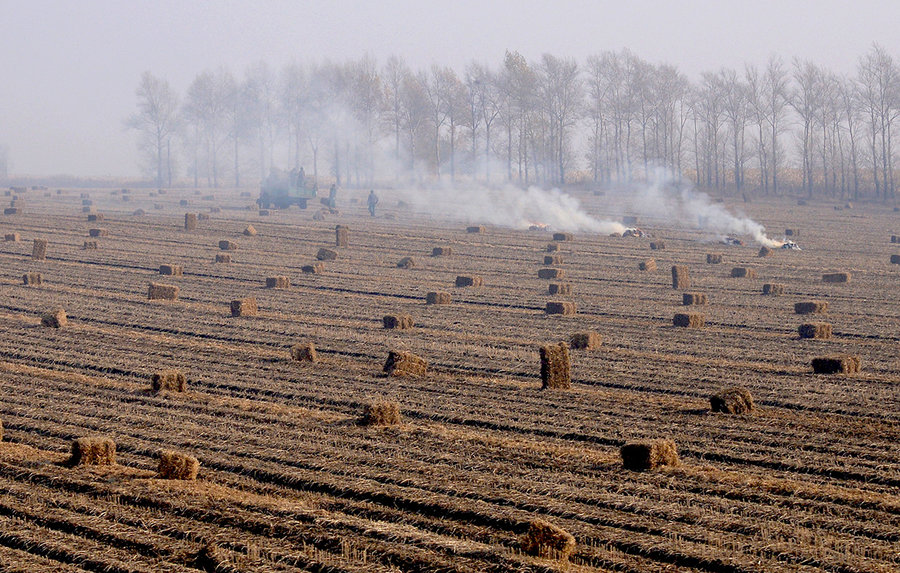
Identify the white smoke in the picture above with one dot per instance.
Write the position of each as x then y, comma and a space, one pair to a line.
511, 207
679, 203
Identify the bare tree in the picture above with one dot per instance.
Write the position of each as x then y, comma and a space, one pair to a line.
735, 111
261, 103
562, 99
156, 121
806, 100
206, 110
366, 101
878, 79
775, 91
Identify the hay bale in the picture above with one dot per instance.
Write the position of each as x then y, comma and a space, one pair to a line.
649, 454
681, 277
811, 307
39, 250
732, 400
837, 364
313, 269
714, 258
560, 288
304, 352
566, 308
552, 247
562, 237
773, 289
139, 213
318, 216
159, 291
12, 237
895, 259
815, 330
223, 258
406, 263
32, 279
441, 252
586, 340
764, 251
171, 270
401, 363
630, 221
250, 231
262, 212
278, 282
183, 202
89, 246
244, 307
543, 539
381, 413
11, 211
341, 236
555, 366
469, 281
647, 265
168, 380
848, 205
55, 318
226, 245
552, 260
689, 320
324, 254
836, 277
98, 233
551, 273
176, 465
93, 217
438, 297
895, 239
657, 246
475, 229
190, 221
93, 451
203, 216
399, 321
791, 233
693, 298
743, 272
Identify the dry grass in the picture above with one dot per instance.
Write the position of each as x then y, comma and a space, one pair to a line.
552, 260
543, 539
12, 237
89, 246
764, 252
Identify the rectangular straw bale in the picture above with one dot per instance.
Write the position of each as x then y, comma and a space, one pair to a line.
55, 318
341, 236
159, 291
183, 202
86, 202
714, 258
98, 232
244, 307
172, 270
837, 364
226, 245
552, 247
565, 308
475, 229
586, 340
647, 265
560, 288
32, 279
12, 237
223, 258
204, 216
791, 232
895, 239
681, 277
562, 237
313, 269
815, 330
693, 298
177, 465
441, 251
689, 320
648, 455
764, 251
39, 250
170, 380
895, 259
406, 263
743, 272
555, 366
304, 352
469, 281
551, 273
190, 221
94, 217
87, 209
543, 539
93, 451
732, 400
658, 246
399, 321
836, 277
552, 260
326, 254
278, 282
811, 307
381, 413
773, 289
400, 363
437, 297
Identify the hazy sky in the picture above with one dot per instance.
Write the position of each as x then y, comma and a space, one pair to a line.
70, 69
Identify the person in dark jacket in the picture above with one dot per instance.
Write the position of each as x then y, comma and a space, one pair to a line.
332, 196
373, 200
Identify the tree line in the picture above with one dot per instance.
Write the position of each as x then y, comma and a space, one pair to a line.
611, 120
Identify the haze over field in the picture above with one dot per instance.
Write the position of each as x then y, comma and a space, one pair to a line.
70, 69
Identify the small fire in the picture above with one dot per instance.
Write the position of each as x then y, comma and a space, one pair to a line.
538, 227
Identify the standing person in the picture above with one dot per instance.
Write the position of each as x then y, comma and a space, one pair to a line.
332, 196
373, 200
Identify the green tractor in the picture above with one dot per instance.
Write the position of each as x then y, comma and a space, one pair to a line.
281, 189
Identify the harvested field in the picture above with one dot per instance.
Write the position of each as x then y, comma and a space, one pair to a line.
290, 481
